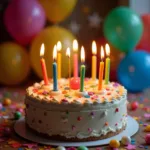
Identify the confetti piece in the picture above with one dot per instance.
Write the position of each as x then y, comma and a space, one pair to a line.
147, 128
71, 148
16, 145
141, 146
131, 147
141, 105
132, 140
147, 116
32, 145
98, 148
146, 147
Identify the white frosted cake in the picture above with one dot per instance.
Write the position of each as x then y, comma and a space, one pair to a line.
76, 116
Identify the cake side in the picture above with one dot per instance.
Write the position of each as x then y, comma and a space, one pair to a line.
71, 115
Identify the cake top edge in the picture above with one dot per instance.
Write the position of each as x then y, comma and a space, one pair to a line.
110, 93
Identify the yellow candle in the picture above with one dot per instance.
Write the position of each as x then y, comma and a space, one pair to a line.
107, 64
101, 70
69, 64
94, 60
59, 47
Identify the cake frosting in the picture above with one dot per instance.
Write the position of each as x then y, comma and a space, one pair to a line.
74, 115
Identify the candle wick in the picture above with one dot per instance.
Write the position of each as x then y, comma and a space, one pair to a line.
82, 63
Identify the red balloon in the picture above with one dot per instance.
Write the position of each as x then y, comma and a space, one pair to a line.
24, 19
145, 40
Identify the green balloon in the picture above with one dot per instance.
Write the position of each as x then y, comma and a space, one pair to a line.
123, 28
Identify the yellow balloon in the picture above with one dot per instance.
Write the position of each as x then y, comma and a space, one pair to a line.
58, 10
50, 36
14, 63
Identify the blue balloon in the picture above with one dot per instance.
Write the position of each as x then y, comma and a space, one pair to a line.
134, 71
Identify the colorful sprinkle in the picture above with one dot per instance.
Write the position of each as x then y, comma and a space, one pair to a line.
90, 129
115, 84
79, 118
73, 127
90, 93
64, 100
117, 110
87, 96
106, 123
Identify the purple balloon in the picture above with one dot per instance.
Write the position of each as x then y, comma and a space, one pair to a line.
24, 19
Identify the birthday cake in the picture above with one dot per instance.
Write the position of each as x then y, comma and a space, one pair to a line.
72, 115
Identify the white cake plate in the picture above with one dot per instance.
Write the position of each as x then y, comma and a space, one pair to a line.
23, 131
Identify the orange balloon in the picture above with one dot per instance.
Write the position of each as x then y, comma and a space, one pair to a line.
58, 10
14, 63
50, 36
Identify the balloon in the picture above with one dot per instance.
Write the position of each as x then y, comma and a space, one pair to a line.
134, 71
144, 42
115, 57
24, 19
123, 28
58, 10
14, 63
50, 36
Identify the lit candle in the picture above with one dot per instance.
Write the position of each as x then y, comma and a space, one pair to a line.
43, 65
107, 64
55, 85
94, 60
82, 70
59, 47
75, 58
101, 70
69, 69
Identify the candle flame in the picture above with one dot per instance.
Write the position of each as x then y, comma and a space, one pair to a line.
82, 54
42, 50
102, 53
107, 49
68, 52
59, 46
94, 48
75, 45
55, 53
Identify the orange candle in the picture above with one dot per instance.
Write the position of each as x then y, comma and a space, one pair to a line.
101, 70
43, 65
59, 47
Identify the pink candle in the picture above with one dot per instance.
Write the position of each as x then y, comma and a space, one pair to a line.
75, 58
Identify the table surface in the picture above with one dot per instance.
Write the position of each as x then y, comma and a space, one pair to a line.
14, 142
